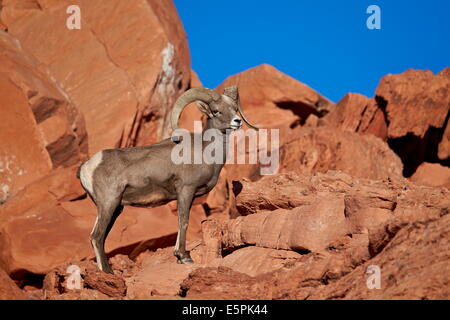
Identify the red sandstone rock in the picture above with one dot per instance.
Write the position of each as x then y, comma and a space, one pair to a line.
414, 265
405, 272
321, 223
415, 101
397, 217
358, 113
2, 25
395, 225
444, 146
302, 213
195, 80
323, 148
417, 105
159, 275
255, 261
221, 283
287, 190
109, 284
432, 174
93, 284
8, 289
41, 129
123, 69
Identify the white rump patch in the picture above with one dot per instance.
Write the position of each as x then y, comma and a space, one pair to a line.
87, 171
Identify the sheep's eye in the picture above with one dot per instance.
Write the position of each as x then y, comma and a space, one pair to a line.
216, 112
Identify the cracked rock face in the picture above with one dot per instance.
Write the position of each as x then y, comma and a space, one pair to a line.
357, 113
399, 227
8, 289
123, 69
321, 149
384, 224
41, 129
415, 101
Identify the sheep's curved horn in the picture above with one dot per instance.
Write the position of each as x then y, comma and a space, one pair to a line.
245, 119
201, 94
241, 112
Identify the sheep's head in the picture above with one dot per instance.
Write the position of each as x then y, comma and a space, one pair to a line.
222, 109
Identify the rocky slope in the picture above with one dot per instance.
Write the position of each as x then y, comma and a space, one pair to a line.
362, 183
314, 241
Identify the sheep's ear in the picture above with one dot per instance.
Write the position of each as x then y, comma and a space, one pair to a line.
204, 107
232, 92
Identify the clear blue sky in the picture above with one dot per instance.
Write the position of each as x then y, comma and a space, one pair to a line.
322, 43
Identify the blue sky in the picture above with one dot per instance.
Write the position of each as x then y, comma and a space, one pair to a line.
322, 43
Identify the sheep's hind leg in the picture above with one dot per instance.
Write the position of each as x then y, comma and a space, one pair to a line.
107, 215
184, 199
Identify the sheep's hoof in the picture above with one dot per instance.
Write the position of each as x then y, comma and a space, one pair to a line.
184, 257
185, 260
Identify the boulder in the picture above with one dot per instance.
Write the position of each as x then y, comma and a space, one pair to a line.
222, 283
417, 105
8, 289
59, 185
307, 213
432, 174
323, 148
357, 113
413, 266
93, 285
415, 101
286, 190
321, 223
123, 69
158, 275
302, 213
255, 261
42, 129
381, 223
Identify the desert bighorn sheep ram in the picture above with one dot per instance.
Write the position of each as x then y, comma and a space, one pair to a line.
147, 177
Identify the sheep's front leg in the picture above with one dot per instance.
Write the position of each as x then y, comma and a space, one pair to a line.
184, 199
